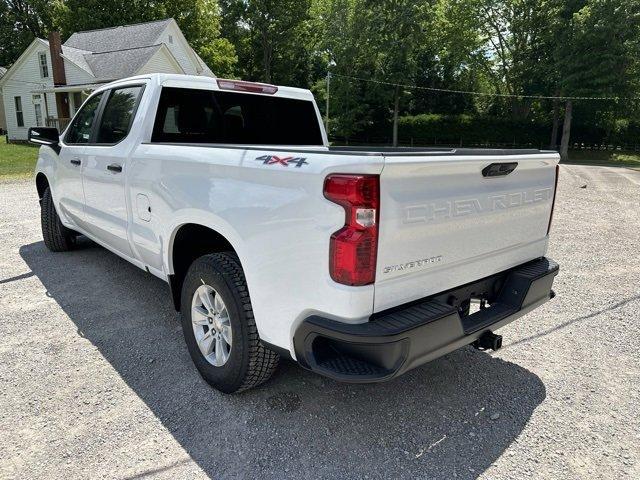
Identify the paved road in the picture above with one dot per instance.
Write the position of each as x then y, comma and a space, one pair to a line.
95, 380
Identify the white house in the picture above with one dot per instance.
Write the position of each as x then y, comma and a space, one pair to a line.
50, 80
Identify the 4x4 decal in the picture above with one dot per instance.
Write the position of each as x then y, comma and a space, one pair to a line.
284, 161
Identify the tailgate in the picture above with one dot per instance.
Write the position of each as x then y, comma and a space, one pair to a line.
443, 223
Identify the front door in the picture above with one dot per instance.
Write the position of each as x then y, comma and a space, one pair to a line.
69, 194
105, 170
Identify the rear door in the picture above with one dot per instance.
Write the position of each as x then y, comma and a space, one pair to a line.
104, 173
450, 220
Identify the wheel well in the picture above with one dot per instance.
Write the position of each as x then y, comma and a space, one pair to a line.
41, 184
191, 242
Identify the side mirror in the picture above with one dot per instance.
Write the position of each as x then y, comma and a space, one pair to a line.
45, 136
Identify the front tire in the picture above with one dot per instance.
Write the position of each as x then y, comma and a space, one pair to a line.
219, 328
57, 237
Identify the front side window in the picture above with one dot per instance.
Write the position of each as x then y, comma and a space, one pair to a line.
80, 129
44, 67
206, 116
117, 115
19, 114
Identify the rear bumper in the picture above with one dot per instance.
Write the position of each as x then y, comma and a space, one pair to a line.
405, 337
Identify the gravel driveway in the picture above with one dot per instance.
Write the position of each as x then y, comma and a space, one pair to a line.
95, 380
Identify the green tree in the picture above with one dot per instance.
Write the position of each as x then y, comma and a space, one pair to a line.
20, 22
450, 56
516, 49
77, 15
272, 38
368, 40
395, 28
341, 46
200, 21
597, 54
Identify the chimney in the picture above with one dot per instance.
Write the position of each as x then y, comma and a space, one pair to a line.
55, 48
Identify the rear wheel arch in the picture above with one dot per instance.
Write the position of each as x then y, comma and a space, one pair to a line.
189, 242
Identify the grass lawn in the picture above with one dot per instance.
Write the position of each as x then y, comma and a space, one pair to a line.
17, 160
609, 159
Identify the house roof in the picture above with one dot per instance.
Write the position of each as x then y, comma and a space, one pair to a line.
76, 56
120, 63
118, 38
116, 52
112, 53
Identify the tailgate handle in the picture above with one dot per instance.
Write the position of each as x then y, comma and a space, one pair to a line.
499, 169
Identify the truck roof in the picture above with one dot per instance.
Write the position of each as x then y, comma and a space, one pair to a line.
211, 83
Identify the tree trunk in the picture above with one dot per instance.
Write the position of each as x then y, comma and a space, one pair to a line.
566, 131
556, 124
396, 106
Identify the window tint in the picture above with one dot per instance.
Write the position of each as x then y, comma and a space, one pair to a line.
204, 116
80, 129
118, 114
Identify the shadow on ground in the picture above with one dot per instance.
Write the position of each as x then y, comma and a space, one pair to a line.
435, 421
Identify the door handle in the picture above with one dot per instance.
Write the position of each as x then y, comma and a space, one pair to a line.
114, 167
499, 169
75, 161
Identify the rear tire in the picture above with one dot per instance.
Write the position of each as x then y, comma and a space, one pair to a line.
245, 361
57, 237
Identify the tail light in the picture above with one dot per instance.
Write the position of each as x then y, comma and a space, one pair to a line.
354, 248
240, 86
553, 202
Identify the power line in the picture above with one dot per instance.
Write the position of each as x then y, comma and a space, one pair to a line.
479, 94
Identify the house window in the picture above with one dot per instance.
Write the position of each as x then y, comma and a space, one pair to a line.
38, 108
44, 67
170, 39
36, 99
19, 115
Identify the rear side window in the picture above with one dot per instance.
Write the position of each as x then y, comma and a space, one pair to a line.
118, 114
80, 129
205, 116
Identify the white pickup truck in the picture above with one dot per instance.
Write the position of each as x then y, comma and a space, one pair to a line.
359, 264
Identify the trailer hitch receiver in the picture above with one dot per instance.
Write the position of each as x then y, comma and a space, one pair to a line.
488, 341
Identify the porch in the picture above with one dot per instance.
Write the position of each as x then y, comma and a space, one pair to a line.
59, 123
69, 99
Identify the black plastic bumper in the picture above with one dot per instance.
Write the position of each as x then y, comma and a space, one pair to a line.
400, 339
